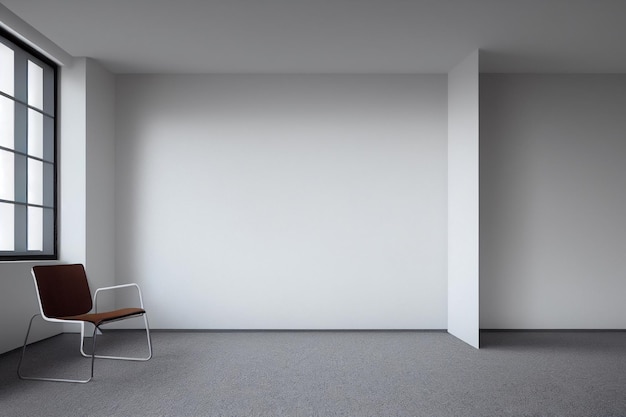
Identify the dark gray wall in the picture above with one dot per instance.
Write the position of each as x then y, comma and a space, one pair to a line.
553, 201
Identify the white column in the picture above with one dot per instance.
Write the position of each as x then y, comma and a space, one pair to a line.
463, 279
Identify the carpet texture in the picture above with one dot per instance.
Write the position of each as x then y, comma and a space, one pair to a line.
331, 374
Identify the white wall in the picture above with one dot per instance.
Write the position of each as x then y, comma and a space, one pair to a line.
18, 303
17, 292
553, 201
463, 238
86, 199
87, 172
280, 201
17, 297
100, 179
72, 148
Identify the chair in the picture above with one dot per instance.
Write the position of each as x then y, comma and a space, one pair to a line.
64, 297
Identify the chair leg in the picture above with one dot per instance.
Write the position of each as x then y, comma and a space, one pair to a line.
32, 378
122, 358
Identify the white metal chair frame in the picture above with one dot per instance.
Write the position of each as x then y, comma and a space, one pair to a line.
93, 355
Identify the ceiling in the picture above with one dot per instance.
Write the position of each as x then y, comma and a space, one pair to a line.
335, 36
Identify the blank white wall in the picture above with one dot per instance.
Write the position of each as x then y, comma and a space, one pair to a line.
18, 303
283, 201
72, 181
553, 199
463, 144
100, 178
87, 178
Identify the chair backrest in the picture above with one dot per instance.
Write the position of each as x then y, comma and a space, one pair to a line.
62, 289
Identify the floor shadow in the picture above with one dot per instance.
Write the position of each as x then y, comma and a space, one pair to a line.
592, 341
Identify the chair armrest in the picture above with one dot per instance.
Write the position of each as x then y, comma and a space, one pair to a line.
117, 287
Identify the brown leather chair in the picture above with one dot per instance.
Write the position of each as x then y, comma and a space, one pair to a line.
64, 297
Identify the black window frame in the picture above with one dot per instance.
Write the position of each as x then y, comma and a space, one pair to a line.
52, 254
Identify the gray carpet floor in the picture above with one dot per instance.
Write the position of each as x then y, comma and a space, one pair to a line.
327, 374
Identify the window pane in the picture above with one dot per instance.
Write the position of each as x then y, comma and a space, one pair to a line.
48, 184
27, 152
48, 230
35, 182
7, 70
7, 175
35, 228
7, 122
49, 91
48, 139
35, 85
35, 133
7, 229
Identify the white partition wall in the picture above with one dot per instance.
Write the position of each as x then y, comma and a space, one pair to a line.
463, 284
283, 201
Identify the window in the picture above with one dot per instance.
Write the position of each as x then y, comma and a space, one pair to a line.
27, 152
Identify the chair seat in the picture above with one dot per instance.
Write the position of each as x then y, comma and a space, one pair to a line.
99, 318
